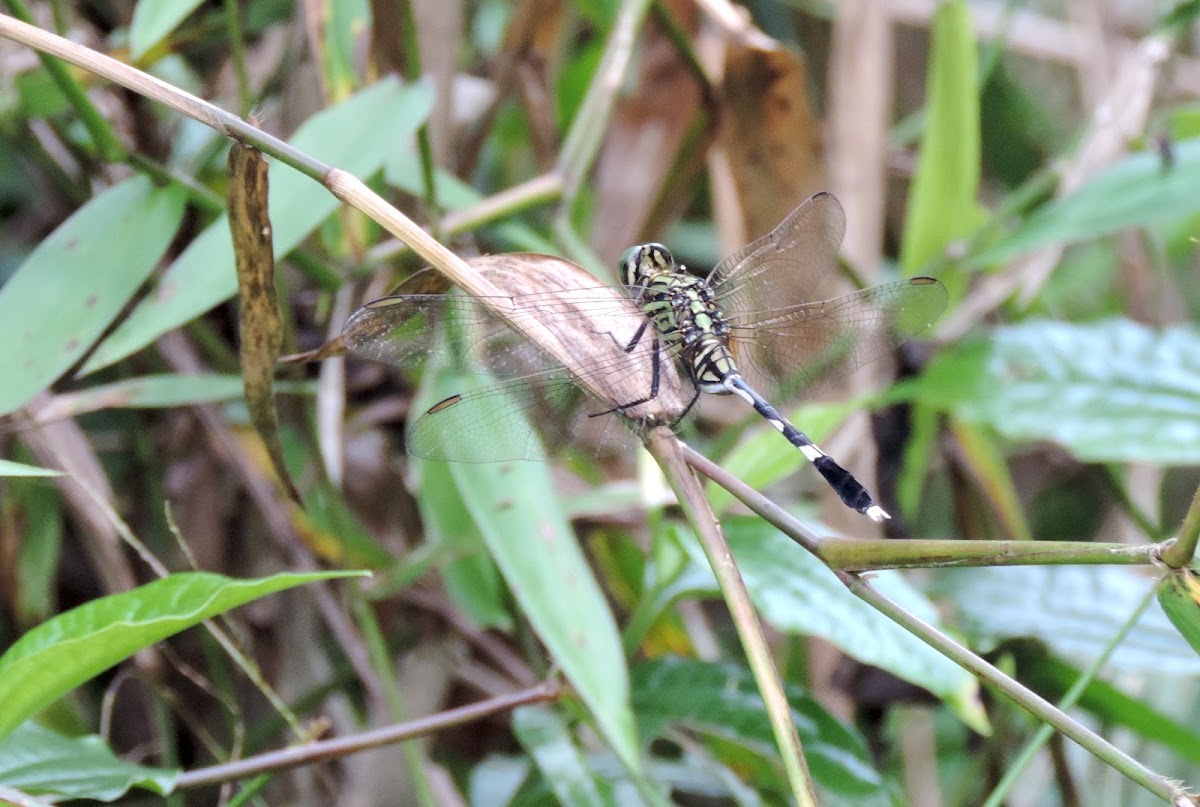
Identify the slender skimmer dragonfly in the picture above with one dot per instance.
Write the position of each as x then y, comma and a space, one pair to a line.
750, 329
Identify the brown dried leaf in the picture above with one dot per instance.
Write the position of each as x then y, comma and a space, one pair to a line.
771, 137
261, 329
590, 322
551, 314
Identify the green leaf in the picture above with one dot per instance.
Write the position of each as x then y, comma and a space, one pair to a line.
1176, 21
797, 593
1179, 596
721, 702
1112, 391
496, 780
154, 19
355, 135
941, 202
1075, 610
61, 653
516, 508
39, 761
72, 287
10, 468
547, 740
1139, 190
471, 577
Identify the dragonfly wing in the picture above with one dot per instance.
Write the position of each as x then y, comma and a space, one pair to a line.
400, 330
404, 330
516, 420
791, 348
795, 261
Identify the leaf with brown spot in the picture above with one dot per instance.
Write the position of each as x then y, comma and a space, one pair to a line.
261, 330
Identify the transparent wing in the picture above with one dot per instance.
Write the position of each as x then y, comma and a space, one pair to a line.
796, 261
401, 330
517, 420
498, 422
795, 346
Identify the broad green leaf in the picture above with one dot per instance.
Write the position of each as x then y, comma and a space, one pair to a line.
471, 577
495, 781
941, 202
518, 513
720, 702
355, 135
155, 392
10, 468
1075, 610
797, 593
547, 740
1139, 190
1111, 391
71, 288
61, 653
41, 762
155, 19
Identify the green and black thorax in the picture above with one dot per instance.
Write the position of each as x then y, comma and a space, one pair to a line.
684, 312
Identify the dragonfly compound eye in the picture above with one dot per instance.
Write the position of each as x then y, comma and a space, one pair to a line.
661, 256
640, 264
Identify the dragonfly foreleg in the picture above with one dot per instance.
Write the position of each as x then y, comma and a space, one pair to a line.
655, 374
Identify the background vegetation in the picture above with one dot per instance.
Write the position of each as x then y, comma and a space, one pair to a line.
559, 632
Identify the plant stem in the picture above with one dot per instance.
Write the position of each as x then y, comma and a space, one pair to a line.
1043, 710
1019, 763
364, 741
666, 450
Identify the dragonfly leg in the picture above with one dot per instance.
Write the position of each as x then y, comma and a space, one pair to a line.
695, 397
849, 489
655, 376
633, 342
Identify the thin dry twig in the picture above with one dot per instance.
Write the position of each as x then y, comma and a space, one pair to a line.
365, 741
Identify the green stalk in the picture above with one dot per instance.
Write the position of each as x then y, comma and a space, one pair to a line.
105, 140
666, 450
237, 44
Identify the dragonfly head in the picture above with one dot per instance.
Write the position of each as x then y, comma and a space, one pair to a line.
639, 265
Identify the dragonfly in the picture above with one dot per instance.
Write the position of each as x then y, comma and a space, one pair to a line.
755, 327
